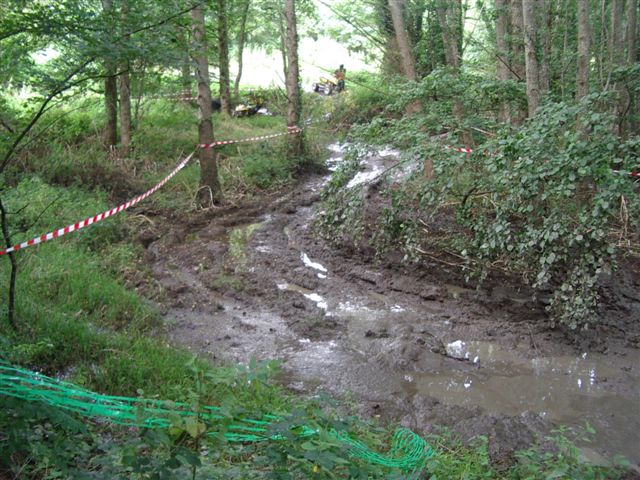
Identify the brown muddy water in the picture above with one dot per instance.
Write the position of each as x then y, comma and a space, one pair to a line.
404, 346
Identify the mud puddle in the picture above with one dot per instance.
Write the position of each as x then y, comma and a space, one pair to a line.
410, 347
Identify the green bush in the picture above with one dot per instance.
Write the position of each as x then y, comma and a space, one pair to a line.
542, 200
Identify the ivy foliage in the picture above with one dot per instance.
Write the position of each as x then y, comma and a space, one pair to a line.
546, 200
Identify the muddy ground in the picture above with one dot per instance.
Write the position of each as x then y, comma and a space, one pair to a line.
411, 344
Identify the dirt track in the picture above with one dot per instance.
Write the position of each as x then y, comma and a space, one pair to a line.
413, 344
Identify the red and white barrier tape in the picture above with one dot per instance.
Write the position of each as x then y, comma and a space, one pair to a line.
290, 131
96, 218
115, 210
459, 149
633, 174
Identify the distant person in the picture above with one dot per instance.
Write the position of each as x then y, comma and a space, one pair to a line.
340, 74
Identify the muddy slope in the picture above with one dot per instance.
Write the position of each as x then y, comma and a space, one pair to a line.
412, 344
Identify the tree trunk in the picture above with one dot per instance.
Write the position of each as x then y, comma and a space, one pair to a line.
209, 192
223, 51
582, 74
396, 7
241, 40
450, 24
502, 32
531, 62
408, 63
292, 79
125, 111
616, 58
517, 43
545, 34
110, 134
448, 36
604, 82
125, 93
11, 310
517, 54
632, 31
632, 57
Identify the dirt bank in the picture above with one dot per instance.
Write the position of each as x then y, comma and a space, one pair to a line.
412, 344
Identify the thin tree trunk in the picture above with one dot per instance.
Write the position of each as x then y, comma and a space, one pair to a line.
11, 310
450, 24
565, 52
110, 134
632, 57
141, 84
604, 83
292, 78
223, 51
241, 40
448, 36
632, 31
209, 192
396, 7
125, 111
616, 58
408, 63
502, 31
517, 43
582, 74
517, 53
531, 62
125, 93
545, 35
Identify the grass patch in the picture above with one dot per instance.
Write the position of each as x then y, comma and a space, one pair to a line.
79, 322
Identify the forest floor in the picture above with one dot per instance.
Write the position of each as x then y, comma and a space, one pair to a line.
410, 344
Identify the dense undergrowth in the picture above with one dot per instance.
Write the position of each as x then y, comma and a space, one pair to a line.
81, 319
548, 200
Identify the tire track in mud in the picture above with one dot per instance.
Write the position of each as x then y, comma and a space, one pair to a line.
411, 343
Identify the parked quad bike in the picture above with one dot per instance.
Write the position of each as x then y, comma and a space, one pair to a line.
326, 86
253, 106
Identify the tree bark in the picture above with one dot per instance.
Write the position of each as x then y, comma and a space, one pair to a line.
292, 78
223, 51
125, 93
517, 54
545, 34
125, 111
396, 8
584, 38
531, 62
241, 41
11, 308
617, 58
209, 192
632, 57
632, 31
110, 134
448, 36
517, 43
502, 32
451, 26
408, 63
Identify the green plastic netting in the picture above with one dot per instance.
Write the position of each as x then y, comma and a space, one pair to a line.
409, 452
